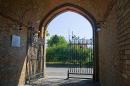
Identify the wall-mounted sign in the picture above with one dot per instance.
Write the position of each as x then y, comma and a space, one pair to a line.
15, 41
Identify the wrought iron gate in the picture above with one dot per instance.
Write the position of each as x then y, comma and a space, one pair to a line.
80, 62
34, 62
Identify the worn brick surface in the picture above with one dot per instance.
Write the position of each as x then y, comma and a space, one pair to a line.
11, 59
114, 37
114, 46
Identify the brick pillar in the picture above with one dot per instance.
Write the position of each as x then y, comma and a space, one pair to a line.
127, 52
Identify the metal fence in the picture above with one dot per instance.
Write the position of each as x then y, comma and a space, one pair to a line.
80, 62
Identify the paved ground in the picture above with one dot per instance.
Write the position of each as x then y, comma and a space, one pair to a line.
56, 76
56, 72
62, 82
61, 73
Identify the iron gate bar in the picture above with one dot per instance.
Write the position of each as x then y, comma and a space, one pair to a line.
34, 60
80, 64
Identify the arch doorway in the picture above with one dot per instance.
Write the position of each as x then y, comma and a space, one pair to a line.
75, 65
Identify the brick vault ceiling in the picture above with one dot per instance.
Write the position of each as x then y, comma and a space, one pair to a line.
25, 10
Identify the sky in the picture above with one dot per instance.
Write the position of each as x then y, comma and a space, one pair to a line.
70, 22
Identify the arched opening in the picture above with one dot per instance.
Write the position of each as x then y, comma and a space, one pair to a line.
73, 8
69, 47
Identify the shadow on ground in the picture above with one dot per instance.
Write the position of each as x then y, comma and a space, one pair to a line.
65, 82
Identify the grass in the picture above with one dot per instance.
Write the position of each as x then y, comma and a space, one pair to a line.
55, 62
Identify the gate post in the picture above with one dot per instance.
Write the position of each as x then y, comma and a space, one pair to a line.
44, 52
96, 57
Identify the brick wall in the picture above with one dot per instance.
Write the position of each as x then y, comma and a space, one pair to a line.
123, 10
11, 59
114, 46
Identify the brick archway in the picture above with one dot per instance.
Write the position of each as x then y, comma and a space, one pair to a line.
77, 9
67, 7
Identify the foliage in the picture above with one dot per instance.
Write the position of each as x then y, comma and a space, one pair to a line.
56, 40
59, 50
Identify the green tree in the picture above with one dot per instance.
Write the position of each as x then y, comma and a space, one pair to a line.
59, 50
56, 48
56, 40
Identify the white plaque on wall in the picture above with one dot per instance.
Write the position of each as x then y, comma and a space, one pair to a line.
15, 41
